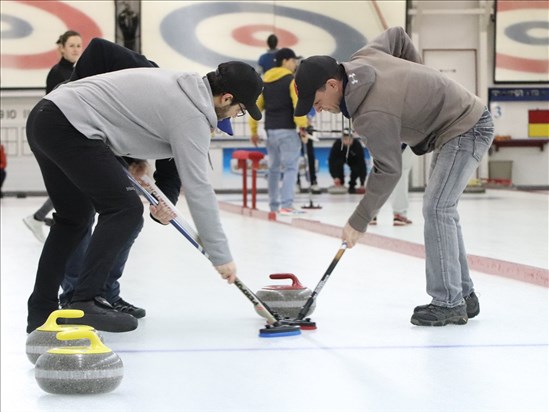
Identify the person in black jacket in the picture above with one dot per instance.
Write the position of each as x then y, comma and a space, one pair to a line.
70, 47
283, 142
347, 150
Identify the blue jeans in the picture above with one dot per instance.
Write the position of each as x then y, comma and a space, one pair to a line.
284, 149
453, 164
111, 288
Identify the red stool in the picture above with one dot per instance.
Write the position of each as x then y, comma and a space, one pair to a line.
243, 156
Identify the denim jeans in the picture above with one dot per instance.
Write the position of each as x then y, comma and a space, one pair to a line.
111, 289
453, 164
283, 148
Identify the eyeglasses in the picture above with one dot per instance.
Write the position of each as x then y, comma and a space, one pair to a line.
242, 110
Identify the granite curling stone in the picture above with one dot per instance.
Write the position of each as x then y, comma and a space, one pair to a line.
72, 370
286, 300
44, 337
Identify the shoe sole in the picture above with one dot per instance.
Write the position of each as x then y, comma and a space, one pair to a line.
138, 314
456, 320
470, 315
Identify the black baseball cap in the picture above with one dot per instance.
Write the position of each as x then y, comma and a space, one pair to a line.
311, 75
244, 83
283, 54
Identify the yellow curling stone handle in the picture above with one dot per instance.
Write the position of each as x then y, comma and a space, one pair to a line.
96, 346
51, 324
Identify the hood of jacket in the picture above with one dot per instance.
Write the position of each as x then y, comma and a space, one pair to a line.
276, 73
361, 78
199, 92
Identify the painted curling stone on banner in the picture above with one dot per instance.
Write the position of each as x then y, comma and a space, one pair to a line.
286, 300
44, 337
79, 369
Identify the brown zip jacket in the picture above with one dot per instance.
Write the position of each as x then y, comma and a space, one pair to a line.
394, 99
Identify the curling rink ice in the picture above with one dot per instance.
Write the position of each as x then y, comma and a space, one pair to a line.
198, 349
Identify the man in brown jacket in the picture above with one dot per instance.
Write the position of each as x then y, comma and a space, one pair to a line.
393, 100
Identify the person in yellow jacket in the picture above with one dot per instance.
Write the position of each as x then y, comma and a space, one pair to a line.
279, 100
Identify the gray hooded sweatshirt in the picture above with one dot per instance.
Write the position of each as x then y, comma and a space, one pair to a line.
394, 99
154, 114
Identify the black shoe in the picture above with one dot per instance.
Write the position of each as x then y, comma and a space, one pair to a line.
433, 315
102, 316
122, 306
48, 221
473, 306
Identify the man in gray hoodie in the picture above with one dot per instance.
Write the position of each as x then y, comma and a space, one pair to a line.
393, 99
77, 131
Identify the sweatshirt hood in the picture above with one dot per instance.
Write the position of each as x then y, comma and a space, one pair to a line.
199, 92
361, 78
276, 73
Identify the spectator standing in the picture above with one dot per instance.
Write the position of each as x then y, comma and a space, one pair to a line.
267, 60
69, 45
283, 142
399, 198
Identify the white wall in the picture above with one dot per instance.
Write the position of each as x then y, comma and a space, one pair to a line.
454, 25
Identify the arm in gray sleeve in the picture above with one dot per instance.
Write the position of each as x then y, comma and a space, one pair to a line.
190, 144
383, 141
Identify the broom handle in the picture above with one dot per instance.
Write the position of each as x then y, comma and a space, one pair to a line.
305, 309
154, 195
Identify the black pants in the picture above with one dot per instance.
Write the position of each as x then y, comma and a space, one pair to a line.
356, 164
82, 177
311, 160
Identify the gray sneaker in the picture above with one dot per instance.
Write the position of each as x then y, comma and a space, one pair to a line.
433, 315
473, 306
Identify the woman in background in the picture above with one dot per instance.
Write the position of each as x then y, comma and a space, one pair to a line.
70, 48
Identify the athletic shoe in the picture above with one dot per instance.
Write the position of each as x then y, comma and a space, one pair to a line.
102, 316
315, 189
471, 301
399, 220
36, 227
337, 189
290, 211
122, 306
434, 315
473, 306
373, 222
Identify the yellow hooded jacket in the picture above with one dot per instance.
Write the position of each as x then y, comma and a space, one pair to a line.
278, 100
